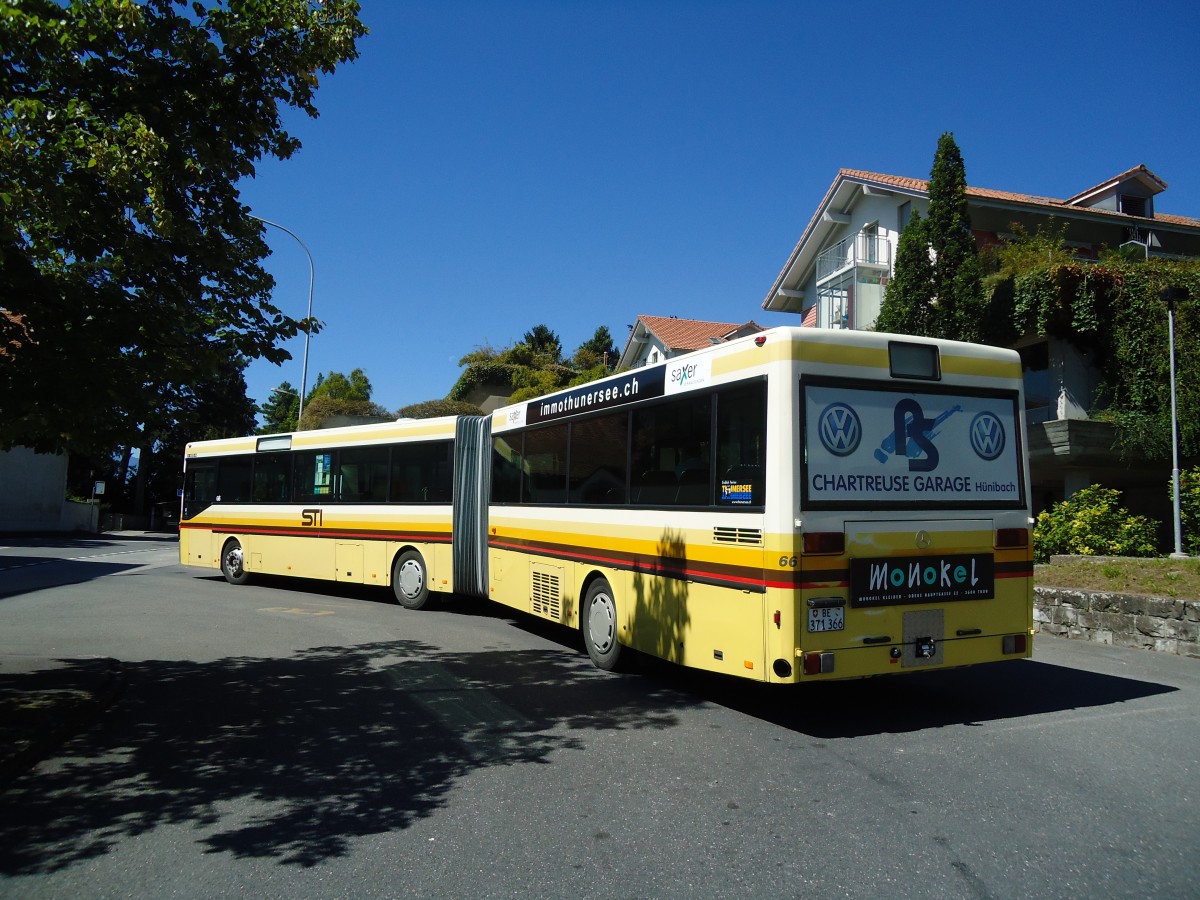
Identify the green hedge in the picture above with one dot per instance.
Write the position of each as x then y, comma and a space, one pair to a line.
1093, 523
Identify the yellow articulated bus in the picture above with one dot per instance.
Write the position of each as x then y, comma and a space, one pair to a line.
798, 505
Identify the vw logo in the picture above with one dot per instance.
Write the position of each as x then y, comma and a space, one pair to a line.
840, 429
987, 435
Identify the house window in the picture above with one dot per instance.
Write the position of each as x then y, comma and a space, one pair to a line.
904, 213
1133, 206
870, 249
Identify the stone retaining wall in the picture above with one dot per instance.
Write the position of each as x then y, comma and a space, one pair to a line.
1125, 620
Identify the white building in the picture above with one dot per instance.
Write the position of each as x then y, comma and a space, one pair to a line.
835, 278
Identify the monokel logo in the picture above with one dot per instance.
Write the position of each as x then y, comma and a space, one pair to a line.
840, 429
987, 436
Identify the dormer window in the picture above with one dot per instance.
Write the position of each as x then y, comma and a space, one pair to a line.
1135, 206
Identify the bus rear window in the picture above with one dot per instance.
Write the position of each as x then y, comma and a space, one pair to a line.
876, 446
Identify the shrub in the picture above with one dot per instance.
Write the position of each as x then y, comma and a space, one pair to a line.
430, 409
1092, 523
1189, 507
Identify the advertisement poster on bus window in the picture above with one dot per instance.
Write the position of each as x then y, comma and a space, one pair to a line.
867, 446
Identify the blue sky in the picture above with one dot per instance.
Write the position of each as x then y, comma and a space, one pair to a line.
484, 167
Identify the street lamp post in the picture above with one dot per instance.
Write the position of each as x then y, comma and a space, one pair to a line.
1171, 296
312, 277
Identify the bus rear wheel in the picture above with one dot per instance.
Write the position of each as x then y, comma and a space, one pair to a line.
410, 580
599, 626
233, 563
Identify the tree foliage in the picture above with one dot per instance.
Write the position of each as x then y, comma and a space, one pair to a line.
281, 410
534, 366
214, 407
432, 409
598, 350
1113, 311
956, 276
146, 471
1189, 507
544, 343
337, 386
334, 397
325, 411
906, 308
954, 306
128, 266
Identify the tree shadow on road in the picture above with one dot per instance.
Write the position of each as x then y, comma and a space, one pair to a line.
292, 759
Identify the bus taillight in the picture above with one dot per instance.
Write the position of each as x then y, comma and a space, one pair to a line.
825, 542
1015, 643
1011, 537
818, 663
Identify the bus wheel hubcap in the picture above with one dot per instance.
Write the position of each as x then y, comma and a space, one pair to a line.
602, 623
411, 579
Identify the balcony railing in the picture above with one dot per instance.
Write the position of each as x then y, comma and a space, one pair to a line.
862, 249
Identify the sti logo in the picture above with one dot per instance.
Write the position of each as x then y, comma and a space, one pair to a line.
987, 436
839, 429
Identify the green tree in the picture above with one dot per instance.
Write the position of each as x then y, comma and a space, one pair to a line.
534, 366
957, 281
125, 253
954, 306
598, 350
544, 342
906, 308
322, 409
340, 396
146, 471
355, 386
214, 407
281, 410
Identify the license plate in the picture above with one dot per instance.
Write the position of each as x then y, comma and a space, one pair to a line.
828, 618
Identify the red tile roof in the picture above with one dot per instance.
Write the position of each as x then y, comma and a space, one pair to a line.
691, 334
917, 184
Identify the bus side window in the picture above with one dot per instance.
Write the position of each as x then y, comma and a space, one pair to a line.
599, 447
314, 476
200, 489
233, 479
671, 460
545, 469
363, 474
741, 445
272, 476
507, 463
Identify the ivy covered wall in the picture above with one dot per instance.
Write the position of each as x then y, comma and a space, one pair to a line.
1113, 311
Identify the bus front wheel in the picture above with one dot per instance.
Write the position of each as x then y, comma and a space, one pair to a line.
410, 580
233, 563
599, 626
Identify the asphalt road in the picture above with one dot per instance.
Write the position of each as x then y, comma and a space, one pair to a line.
299, 740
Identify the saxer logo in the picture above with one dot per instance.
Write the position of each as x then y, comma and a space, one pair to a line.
683, 376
